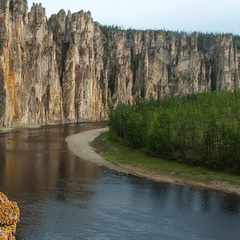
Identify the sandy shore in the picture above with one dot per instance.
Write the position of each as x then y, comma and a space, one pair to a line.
79, 145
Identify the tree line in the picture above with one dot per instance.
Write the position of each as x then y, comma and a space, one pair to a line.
200, 129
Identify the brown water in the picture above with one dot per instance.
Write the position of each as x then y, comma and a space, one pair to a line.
64, 197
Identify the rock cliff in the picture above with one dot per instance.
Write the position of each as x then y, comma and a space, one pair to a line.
68, 68
9, 217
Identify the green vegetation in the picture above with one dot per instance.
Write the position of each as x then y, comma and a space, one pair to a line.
2, 108
18, 129
206, 39
236, 39
119, 154
106, 29
201, 130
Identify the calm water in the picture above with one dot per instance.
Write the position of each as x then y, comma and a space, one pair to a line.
64, 197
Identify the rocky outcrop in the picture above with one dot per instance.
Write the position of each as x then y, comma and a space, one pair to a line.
68, 68
9, 217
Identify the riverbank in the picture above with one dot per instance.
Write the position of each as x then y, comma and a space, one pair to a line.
19, 128
79, 144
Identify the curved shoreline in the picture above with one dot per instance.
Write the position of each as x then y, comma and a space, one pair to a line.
79, 145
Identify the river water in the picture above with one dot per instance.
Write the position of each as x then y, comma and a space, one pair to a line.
64, 197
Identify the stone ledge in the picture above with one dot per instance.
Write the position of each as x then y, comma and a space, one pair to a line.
9, 217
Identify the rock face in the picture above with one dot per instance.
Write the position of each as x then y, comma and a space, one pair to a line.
68, 68
9, 217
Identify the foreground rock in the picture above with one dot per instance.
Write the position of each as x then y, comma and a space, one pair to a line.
9, 217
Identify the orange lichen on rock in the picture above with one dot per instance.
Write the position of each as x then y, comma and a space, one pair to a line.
12, 93
9, 217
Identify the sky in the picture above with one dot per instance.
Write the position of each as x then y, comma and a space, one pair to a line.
217, 16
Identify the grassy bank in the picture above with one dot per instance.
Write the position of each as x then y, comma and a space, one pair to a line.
156, 168
200, 129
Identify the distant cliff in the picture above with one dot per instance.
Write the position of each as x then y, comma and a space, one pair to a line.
68, 68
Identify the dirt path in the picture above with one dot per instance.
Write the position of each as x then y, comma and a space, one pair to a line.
79, 145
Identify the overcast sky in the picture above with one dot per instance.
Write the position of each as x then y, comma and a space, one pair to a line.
222, 16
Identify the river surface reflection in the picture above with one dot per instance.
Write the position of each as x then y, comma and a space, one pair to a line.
64, 197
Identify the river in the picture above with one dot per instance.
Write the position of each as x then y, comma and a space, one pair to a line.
64, 197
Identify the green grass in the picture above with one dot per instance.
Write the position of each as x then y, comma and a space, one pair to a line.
18, 129
121, 155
